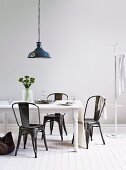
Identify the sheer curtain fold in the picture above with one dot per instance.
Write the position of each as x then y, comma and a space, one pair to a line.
122, 74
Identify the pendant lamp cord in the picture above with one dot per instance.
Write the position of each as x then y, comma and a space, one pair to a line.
38, 20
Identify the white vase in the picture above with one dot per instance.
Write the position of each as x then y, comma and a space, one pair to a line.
27, 95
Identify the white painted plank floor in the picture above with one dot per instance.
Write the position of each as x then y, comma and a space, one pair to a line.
61, 155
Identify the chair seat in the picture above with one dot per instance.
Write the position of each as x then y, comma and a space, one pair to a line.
33, 126
54, 115
91, 121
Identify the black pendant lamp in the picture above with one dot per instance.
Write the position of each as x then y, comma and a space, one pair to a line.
39, 52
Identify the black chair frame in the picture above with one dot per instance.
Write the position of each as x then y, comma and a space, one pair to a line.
94, 122
90, 123
59, 118
26, 128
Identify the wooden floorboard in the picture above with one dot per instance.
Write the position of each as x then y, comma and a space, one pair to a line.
61, 155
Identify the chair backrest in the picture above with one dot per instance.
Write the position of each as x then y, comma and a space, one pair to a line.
98, 106
23, 108
58, 96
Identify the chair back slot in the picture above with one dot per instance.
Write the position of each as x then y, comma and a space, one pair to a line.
58, 96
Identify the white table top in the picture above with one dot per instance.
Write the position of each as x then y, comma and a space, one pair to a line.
55, 105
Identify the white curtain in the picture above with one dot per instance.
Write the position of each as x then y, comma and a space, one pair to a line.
122, 74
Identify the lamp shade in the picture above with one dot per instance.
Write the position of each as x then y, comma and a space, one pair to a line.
39, 52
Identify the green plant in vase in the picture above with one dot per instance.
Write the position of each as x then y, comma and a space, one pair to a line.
27, 81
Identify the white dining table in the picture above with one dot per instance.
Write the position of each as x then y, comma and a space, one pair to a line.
76, 108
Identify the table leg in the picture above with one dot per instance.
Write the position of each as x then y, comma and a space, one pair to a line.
75, 129
5, 122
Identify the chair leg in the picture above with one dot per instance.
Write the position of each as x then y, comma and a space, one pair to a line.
101, 133
60, 129
87, 134
44, 123
87, 138
18, 142
64, 126
91, 132
25, 139
51, 126
34, 142
73, 139
35, 147
44, 137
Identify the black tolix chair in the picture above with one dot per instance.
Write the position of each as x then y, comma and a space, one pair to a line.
22, 115
58, 117
93, 111
93, 120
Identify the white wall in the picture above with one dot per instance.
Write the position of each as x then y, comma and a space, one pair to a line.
76, 33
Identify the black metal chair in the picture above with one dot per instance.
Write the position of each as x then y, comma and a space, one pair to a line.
96, 103
22, 114
93, 121
58, 117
